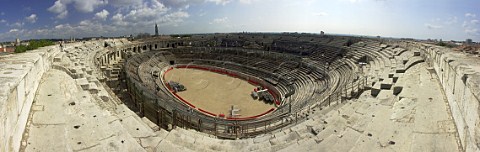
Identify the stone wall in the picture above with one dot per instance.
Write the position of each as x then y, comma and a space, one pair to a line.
20, 76
459, 75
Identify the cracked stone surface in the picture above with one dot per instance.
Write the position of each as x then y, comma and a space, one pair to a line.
84, 126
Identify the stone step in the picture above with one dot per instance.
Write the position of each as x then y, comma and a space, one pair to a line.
59, 57
413, 61
93, 88
83, 82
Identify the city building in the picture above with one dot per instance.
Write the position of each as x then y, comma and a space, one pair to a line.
469, 41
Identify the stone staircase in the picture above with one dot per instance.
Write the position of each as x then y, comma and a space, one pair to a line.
401, 61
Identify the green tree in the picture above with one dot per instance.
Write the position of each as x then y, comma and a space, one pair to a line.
32, 45
20, 49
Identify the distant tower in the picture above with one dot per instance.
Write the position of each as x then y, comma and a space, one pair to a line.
156, 29
17, 42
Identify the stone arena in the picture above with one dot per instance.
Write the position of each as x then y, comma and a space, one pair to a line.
329, 93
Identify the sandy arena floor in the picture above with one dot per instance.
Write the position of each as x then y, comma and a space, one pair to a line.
217, 93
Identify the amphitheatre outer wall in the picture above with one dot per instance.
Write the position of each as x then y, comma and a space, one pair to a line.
459, 75
20, 76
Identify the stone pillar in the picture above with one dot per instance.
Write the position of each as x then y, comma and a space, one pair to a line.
112, 58
104, 60
109, 59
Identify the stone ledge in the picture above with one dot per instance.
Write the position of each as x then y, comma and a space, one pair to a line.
20, 75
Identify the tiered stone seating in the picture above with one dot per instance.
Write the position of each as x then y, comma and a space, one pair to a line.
309, 78
387, 65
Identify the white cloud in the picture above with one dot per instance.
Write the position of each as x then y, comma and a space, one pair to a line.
147, 14
472, 31
451, 20
126, 3
62, 26
2, 13
16, 24
219, 20
60, 8
202, 13
431, 26
118, 20
84, 6
471, 27
83, 29
465, 24
87, 6
102, 15
32, 18
474, 21
3, 21
470, 15
220, 2
180, 3
174, 4
62, 15
85, 23
14, 30
320, 14
175, 18
246, 1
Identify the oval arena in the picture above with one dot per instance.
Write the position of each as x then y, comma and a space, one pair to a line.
240, 91
220, 93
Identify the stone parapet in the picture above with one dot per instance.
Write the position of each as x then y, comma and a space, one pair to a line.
20, 75
459, 75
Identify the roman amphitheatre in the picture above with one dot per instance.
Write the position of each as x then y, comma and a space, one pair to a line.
240, 92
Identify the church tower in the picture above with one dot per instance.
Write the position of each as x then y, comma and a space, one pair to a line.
156, 29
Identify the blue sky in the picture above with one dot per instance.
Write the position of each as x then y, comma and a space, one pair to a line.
436, 19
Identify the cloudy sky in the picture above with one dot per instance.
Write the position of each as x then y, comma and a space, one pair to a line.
438, 19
